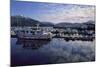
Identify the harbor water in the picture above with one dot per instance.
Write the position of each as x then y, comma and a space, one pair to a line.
57, 50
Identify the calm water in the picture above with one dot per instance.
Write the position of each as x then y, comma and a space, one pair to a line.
48, 52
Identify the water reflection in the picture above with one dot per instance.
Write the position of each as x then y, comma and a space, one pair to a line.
47, 52
32, 44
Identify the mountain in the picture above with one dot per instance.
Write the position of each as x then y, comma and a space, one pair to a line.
68, 25
23, 21
75, 25
89, 22
26, 21
48, 24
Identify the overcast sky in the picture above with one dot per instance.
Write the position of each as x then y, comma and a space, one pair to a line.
53, 12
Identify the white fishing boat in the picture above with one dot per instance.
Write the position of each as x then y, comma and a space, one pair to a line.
30, 34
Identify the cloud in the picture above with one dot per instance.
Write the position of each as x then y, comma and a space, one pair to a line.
74, 13
54, 12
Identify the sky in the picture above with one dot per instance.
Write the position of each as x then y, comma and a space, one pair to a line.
53, 12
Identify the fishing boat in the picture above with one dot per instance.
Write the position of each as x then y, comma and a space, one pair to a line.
30, 34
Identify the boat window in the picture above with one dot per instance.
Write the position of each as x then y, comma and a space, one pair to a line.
26, 31
23, 31
31, 31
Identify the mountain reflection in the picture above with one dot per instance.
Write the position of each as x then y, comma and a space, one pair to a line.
32, 44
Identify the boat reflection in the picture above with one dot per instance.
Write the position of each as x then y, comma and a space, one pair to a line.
32, 44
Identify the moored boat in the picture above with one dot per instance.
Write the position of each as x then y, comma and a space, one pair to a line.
30, 34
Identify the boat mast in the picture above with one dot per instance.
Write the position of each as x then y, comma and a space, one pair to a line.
37, 26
